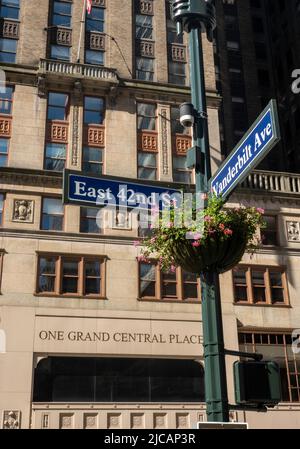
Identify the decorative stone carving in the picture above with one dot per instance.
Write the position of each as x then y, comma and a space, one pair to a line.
100, 3
293, 231
178, 53
137, 421
146, 7
95, 136
148, 141
90, 421
159, 421
5, 126
164, 141
10, 29
75, 137
97, 41
114, 420
41, 85
63, 36
122, 220
66, 421
23, 211
146, 49
45, 421
11, 419
58, 132
182, 144
182, 421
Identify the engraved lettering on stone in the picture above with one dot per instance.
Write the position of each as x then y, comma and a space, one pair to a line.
23, 211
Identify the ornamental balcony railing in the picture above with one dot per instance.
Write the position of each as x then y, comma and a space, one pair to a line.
273, 182
50, 67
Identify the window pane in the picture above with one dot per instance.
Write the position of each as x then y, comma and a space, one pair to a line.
147, 173
53, 211
259, 294
147, 276
92, 154
239, 277
147, 159
70, 285
8, 45
92, 269
47, 284
92, 286
258, 278
70, 267
7, 57
147, 289
94, 57
60, 52
47, 265
93, 117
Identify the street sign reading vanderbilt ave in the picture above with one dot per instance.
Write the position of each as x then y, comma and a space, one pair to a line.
119, 192
248, 153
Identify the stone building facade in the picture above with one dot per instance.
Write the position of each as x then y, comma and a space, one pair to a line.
89, 337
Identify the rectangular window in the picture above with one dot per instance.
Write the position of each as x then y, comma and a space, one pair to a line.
93, 151
8, 50
62, 13
145, 69
260, 285
181, 173
147, 153
94, 27
57, 131
6, 100
88, 220
61, 17
52, 214
57, 106
177, 73
10, 9
176, 286
1, 208
71, 276
269, 235
4, 143
144, 63
277, 347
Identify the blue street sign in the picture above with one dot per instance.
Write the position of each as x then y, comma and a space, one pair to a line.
116, 192
248, 153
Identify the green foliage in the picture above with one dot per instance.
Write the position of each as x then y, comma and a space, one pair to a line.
213, 224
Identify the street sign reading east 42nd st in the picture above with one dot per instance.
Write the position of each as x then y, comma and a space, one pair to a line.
254, 146
99, 191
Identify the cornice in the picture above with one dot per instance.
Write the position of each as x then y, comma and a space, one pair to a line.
21, 176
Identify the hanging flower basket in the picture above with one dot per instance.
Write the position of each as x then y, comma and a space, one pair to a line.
215, 241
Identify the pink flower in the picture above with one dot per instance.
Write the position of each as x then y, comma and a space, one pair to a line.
196, 244
260, 211
142, 259
173, 269
136, 243
170, 225
228, 232
153, 240
197, 236
222, 226
208, 219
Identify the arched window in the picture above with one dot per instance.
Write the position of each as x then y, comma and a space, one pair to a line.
68, 379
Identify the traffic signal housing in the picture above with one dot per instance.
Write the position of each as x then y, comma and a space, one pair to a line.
257, 383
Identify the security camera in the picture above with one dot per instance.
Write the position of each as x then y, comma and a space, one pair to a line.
187, 115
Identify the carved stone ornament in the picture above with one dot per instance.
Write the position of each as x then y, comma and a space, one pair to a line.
11, 419
23, 211
122, 220
293, 231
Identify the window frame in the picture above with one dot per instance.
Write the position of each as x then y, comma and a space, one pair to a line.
2, 253
159, 287
58, 215
3, 208
81, 261
254, 346
267, 271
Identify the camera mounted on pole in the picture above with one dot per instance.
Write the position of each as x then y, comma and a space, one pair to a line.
190, 14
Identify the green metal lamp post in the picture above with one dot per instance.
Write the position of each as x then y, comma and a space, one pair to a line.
194, 17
